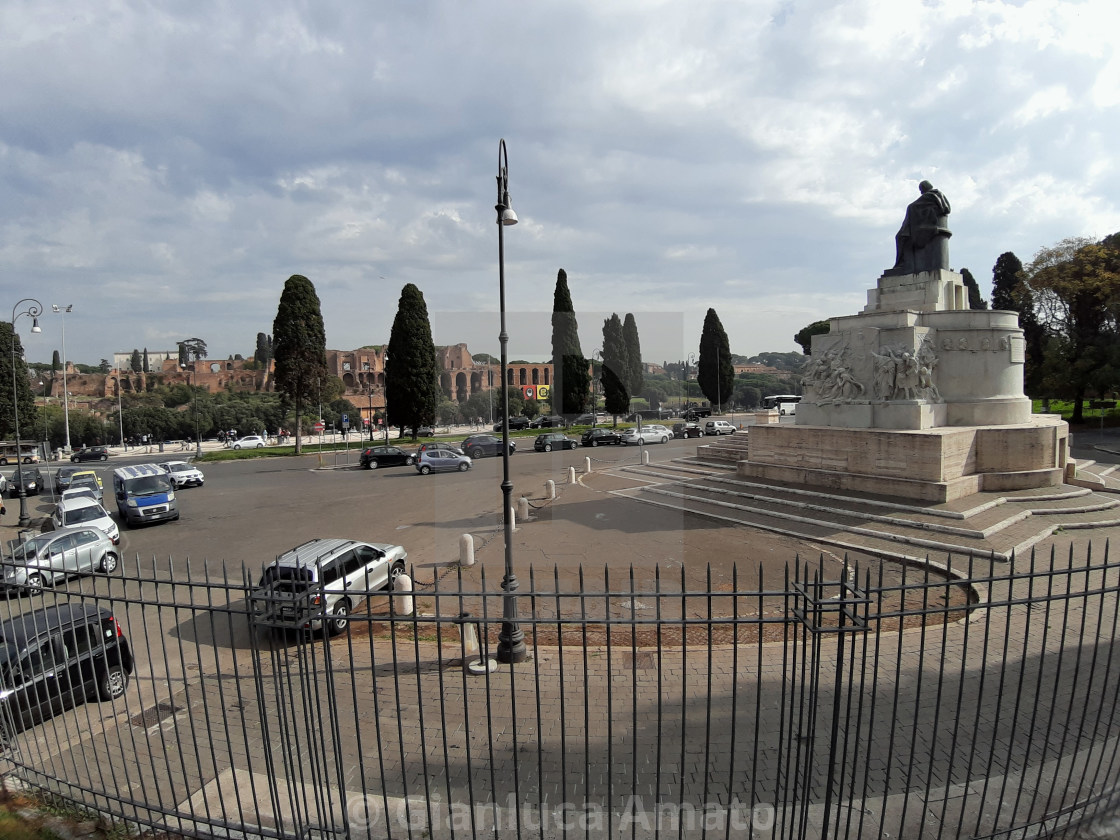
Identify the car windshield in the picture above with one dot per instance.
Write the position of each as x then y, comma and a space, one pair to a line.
84, 514
31, 549
146, 485
180, 468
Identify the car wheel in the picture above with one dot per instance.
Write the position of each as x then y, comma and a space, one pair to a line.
664, 440
425, 469
73, 459
112, 683
340, 618
464, 466
371, 464
237, 446
409, 461
548, 447
35, 582
476, 453
104, 457
109, 562
594, 442
4, 461
395, 572
260, 446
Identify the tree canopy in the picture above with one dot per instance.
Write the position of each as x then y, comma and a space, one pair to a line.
715, 371
805, 335
635, 378
975, 300
299, 344
411, 369
615, 367
571, 375
28, 416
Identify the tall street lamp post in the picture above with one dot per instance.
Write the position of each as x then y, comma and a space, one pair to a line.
65, 394
511, 641
34, 310
120, 413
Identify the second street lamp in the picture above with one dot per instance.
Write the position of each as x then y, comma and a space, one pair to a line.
511, 641
34, 310
65, 394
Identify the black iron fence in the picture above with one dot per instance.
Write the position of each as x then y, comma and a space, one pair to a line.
835, 702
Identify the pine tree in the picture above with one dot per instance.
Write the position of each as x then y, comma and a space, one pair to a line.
28, 414
714, 370
411, 368
635, 378
135, 363
975, 301
300, 344
615, 367
571, 376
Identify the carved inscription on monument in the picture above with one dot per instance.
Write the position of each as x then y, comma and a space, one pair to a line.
1018, 350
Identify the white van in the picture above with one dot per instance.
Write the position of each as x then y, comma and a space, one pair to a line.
718, 427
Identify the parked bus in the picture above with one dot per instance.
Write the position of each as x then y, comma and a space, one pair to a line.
782, 403
29, 453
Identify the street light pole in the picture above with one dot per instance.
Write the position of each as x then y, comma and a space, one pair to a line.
120, 412
65, 393
34, 310
511, 640
194, 412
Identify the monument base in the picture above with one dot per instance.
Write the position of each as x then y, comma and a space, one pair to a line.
932, 465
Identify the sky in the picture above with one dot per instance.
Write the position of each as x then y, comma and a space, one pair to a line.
167, 166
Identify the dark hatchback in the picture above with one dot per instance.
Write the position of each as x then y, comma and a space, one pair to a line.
57, 657
90, 453
515, 423
553, 440
63, 475
600, 437
478, 446
548, 421
687, 430
386, 456
31, 479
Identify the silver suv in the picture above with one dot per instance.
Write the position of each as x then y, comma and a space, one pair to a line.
321, 582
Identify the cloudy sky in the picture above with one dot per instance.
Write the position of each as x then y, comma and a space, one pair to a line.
166, 166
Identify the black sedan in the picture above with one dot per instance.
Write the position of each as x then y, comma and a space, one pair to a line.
29, 477
600, 437
518, 422
476, 446
63, 475
386, 456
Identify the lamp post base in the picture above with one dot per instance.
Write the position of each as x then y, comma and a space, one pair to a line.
511, 644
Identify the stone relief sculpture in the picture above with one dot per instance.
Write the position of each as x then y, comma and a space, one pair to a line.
903, 374
922, 243
832, 378
886, 363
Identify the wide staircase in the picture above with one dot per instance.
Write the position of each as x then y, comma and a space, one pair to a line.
997, 525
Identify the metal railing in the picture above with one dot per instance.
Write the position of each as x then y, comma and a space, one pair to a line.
885, 701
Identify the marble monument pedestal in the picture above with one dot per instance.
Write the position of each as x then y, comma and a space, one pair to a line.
916, 397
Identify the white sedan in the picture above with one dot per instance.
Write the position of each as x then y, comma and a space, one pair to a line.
249, 442
650, 433
183, 474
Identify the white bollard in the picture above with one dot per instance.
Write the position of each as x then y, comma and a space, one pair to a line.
550, 489
523, 509
472, 662
587, 464
571, 475
402, 597
466, 550
645, 456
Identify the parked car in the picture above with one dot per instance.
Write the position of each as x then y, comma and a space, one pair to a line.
183, 474
54, 658
600, 437
548, 421
63, 475
554, 440
80, 493
30, 478
440, 444
478, 446
82, 510
584, 420
515, 423
51, 557
650, 433
687, 430
385, 456
250, 442
718, 427
89, 481
90, 453
439, 459
322, 581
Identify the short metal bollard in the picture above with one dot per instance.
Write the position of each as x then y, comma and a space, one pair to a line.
571, 475
550, 489
645, 456
523, 509
473, 663
587, 464
466, 550
402, 596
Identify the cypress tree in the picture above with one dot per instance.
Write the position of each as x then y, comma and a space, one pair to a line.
135, 363
1007, 275
411, 368
615, 367
974, 299
571, 376
635, 377
28, 413
714, 370
146, 366
300, 345
1009, 292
